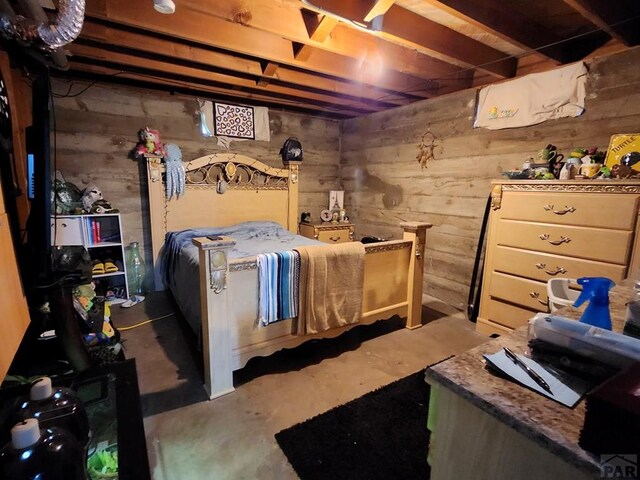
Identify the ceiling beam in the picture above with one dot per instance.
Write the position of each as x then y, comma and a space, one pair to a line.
173, 68
91, 72
378, 8
322, 29
619, 19
432, 38
268, 71
114, 72
114, 39
272, 28
190, 27
319, 27
528, 34
226, 36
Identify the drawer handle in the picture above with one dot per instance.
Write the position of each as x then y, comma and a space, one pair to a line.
542, 266
567, 209
536, 296
563, 239
334, 239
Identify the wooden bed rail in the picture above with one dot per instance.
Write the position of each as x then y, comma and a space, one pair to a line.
228, 293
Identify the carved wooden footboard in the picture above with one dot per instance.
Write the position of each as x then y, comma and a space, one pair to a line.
229, 294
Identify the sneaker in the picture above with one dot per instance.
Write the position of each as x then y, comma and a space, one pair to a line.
134, 300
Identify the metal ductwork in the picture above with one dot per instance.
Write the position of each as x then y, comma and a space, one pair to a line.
49, 34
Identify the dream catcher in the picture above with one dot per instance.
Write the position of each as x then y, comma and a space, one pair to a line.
426, 148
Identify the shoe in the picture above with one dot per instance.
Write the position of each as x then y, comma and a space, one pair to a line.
98, 267
134, 300
109, 266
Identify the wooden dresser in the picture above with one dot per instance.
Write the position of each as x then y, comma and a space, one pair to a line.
548, 229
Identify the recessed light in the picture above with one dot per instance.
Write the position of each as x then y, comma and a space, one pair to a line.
164, 6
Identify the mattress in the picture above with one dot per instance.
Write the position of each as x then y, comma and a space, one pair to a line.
181, 258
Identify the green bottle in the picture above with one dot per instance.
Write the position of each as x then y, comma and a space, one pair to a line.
135, 270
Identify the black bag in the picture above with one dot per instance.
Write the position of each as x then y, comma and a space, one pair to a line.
291, 151
71, 262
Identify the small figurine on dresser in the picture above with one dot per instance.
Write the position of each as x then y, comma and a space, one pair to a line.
552, 158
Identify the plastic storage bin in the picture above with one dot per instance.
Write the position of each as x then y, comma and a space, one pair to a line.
559, 293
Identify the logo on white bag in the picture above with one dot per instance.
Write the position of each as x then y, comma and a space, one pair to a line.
619, 466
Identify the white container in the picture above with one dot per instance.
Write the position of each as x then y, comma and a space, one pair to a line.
605, 346
559, 293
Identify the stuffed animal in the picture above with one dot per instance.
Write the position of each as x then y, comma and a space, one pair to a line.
149, 143
90, 195
176, 177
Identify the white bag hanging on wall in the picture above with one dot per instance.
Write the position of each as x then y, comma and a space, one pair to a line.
533, 98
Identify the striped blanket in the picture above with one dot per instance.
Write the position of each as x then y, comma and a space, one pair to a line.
278, 275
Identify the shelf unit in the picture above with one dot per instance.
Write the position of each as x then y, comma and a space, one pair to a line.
101, 235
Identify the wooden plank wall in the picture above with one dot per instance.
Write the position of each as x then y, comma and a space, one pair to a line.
96, 130
384, 182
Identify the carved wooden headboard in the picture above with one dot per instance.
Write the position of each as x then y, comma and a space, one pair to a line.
254, 191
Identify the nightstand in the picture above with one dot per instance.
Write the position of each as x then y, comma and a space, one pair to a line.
328, 232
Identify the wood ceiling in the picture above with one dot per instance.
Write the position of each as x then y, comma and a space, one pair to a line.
341, 58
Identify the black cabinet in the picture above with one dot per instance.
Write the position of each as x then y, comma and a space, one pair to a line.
112, 400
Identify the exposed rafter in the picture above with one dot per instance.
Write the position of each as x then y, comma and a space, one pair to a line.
406, 27
524, 32
615, 18
343, 58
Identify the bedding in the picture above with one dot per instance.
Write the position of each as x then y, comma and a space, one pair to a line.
330, 304
278, 275
181, 259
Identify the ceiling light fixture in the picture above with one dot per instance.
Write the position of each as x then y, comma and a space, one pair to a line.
164, 6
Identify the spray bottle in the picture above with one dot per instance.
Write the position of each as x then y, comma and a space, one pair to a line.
595, 290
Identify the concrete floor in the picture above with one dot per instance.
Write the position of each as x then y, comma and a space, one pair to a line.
190, 437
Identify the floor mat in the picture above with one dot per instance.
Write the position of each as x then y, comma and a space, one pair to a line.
381, 435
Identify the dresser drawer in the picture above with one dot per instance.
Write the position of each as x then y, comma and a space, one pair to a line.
543, 266
616, 211
506, 314
521, 291
487, 327
591, 243
334, 236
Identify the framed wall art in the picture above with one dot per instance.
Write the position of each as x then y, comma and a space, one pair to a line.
235, 121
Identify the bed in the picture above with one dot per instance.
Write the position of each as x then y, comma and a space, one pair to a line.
224, 190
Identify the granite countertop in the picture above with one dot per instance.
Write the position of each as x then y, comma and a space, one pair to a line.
548, 423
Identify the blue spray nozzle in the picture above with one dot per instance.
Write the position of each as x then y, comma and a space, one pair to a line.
595, 290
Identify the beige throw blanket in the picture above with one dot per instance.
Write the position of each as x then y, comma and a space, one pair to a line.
331, 280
